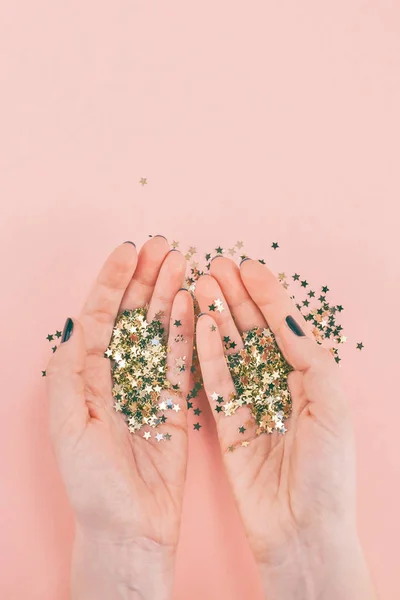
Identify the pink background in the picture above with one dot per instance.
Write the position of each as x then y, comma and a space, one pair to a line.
258, 121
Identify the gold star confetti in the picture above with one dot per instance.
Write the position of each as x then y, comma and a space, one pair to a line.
175, 244
139, 368
218, 305
260, 373
143, 180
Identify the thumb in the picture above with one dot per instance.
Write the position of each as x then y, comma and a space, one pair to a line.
65, 384
322, 385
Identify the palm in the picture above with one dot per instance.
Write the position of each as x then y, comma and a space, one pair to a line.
282, 483
119, 483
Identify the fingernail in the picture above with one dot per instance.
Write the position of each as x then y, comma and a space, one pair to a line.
243, 259
294, 326
128, 242
216, 256
67, 331
201, 314
159, 235
173, 249
184, 289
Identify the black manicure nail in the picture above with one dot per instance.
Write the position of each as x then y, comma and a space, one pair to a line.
201, 314
67, 331
174, 250
184, 289
243, 259
128, 242
294, 326
159, 235
216, 256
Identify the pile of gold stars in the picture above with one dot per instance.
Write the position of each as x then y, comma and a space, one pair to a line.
139, 369
260, 374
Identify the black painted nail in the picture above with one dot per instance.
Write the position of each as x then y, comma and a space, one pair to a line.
159, 235
67, 331
217, 256
174, 250
294, 326
128, 242
201, 314
243, 259
184, 289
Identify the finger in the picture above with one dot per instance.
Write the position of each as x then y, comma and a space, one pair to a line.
101, 307
140, 289
219, 386
270, 296
180, 341
212, 301
65, 385
244, 311
170, 280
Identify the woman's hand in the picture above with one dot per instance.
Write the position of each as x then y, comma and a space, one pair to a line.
295, 492
126, 492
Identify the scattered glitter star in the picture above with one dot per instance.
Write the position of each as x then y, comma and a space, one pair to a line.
147, 435
213, 327
296, 277
143, 180
159, 437
360, 346
245, 444
50, 337
275, 245
175, 245
214, 396
219, 305
196, 426
176, 408
178, 323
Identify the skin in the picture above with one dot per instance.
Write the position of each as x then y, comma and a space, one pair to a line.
295, 493
126, 492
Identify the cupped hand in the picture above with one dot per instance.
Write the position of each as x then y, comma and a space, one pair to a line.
295, 492
125, 491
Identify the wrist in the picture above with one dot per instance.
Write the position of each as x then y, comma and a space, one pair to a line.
138, 569
315, 569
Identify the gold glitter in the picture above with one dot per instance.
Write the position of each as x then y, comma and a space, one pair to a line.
143, 180
259, 372
139, 369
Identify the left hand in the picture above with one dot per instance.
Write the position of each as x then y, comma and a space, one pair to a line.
126, 492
